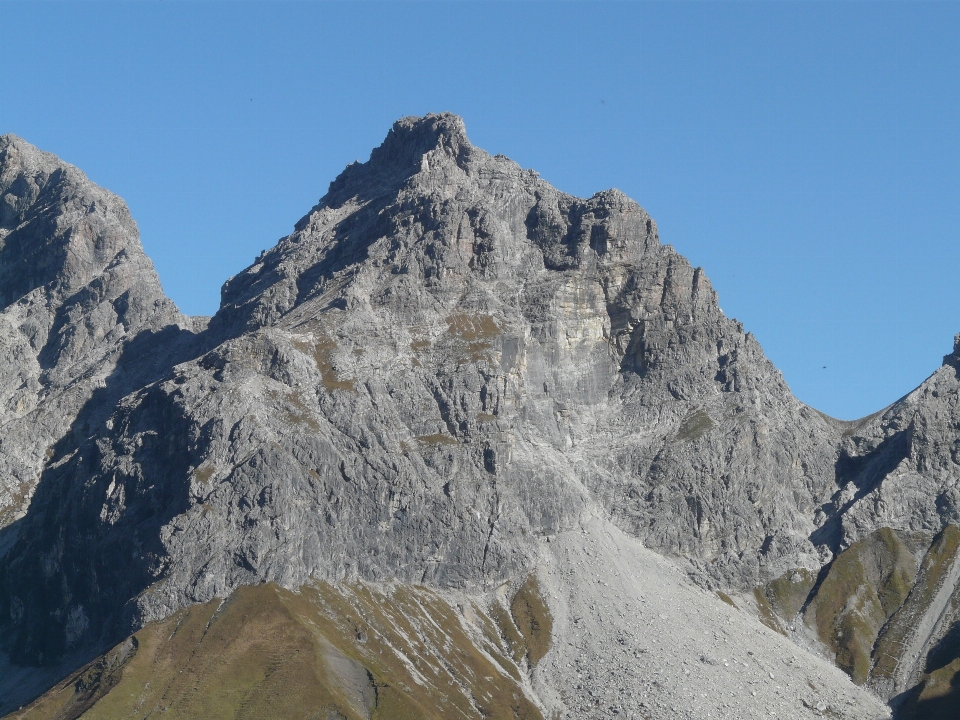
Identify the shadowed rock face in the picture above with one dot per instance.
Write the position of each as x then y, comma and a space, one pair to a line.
75, 288
447, 361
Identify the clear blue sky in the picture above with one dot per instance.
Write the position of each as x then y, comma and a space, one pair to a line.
806, 154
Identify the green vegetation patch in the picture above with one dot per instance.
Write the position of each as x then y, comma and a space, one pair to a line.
411, 629
788, 593
437, 439
344, 651
856, 630
203, 474
727, 599
473, 328
765, 612
244, 658
938, 697
865, 585
477, 331
508, 631
532, 617
322, 351
82, 691
695, 425
936, 562
898, 570
9, 513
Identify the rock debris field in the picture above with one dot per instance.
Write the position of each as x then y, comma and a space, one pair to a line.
637, 640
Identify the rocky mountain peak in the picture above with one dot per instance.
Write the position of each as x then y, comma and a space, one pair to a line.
58, 229
19, 156
440, 137
412, 137
66, 241
446, 372
493, 344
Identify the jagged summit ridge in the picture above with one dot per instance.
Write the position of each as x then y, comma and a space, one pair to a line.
411, 142
423, 162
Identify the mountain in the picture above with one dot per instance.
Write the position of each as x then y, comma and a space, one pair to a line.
444, 422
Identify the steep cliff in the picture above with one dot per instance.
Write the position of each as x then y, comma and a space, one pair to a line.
75, 290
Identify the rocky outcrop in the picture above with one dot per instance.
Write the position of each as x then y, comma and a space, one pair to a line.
75, 291
901, 468
447, 364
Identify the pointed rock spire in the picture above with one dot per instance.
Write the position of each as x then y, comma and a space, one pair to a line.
401, 155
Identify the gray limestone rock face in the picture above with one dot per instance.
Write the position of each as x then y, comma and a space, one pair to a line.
445, 363
75, 287
900, 468
587, 337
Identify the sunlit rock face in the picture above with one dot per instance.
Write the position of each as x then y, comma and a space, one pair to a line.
901, 467
446, 364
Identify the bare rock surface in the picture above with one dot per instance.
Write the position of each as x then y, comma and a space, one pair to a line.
75, 289
901, 467
446, 362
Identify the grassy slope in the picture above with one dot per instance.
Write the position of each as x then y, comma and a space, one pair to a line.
867, 606
864, 587
344, 652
